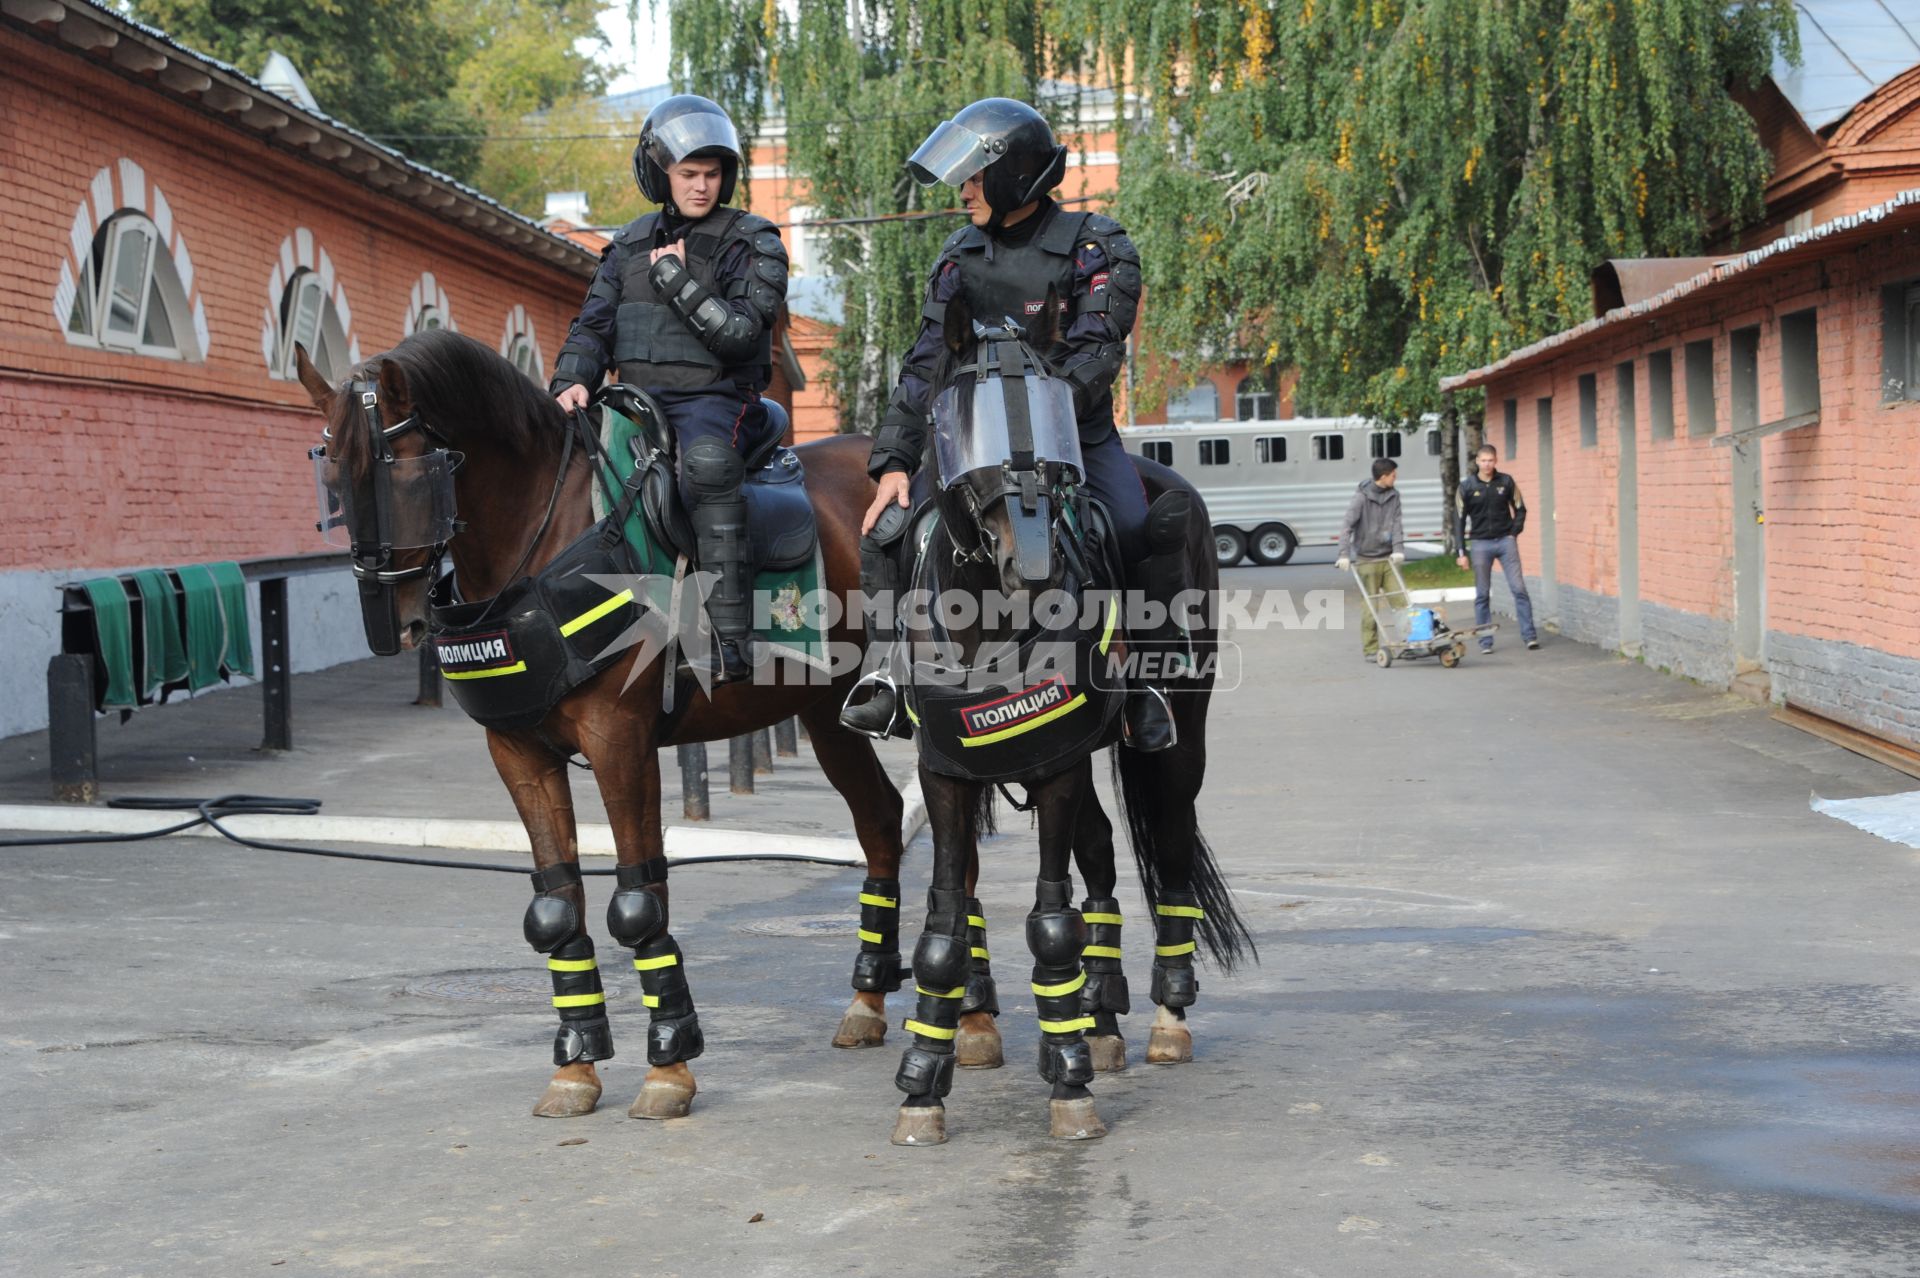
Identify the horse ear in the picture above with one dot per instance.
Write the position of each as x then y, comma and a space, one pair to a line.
1047, 328
317, 387
957, 327
393, 391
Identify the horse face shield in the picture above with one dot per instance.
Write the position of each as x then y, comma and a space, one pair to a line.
1010, 435
385, 504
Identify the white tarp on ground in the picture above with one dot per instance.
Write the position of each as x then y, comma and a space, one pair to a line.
1895, 817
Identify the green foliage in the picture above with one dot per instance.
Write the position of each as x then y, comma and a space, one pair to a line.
1377, 192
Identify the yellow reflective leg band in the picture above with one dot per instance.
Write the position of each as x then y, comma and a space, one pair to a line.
980, 952
655, 964
1101, 951
872, 938
1174, 951
578, 1000
955, 992
1180, 911
572, 965
925, 1030
1114, 919
974, 920
650, 1000
884, 902
1067, 1027
1065, 987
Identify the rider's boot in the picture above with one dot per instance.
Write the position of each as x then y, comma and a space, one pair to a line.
1162, 577
715, 473
873, 707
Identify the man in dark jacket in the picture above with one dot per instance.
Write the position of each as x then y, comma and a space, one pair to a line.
1371, 532
683, 305
1492, 517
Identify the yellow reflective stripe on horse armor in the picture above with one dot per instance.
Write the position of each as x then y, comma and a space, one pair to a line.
1180, 911
955, 992
655, 964
1114, 919
650, 1000
911, 716
1101, 951
1066, 1027
980, 952
1173, 951
1080, 699
1113, 618
884, 902
578, 1000
518, 667
1065, 987
594, 614
975, 920
572, 965
925, 1030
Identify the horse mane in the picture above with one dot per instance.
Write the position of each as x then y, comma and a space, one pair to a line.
465, 391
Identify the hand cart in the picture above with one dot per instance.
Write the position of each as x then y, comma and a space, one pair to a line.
1413, 623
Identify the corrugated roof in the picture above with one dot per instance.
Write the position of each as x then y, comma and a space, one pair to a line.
1848, 48
1864, 220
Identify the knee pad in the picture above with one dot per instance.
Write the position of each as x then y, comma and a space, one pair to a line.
1067, 1063
1167, 521
713, 469
551, 921
1056, 937
635, 916
924, 1073
941, 962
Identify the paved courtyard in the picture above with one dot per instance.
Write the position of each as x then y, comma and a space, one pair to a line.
1559, 976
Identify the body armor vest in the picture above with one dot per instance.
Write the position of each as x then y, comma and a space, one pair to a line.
652, 345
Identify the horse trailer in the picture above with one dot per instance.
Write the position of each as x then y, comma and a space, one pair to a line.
1272, 486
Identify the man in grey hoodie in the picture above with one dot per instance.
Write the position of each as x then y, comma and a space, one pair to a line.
1371, 533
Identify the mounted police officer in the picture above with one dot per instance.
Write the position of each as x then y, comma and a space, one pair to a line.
1019, 244
683, 306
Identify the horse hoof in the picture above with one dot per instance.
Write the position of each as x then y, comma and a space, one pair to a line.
978, 1044
920, 1126
666, 1093
565, 1098
1109, 1053
1075, 1120
1169, 1045
861, 1027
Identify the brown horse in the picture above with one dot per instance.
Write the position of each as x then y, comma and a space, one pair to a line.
523, 503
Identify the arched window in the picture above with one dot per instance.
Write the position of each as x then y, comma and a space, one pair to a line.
310, 310
521, 345
428, 307
1200, 403
128, 285
1256, 399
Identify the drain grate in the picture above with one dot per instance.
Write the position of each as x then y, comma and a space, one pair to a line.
505, 986
804, 925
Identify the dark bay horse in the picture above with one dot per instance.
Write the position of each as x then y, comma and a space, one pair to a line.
523, 503
1011, 525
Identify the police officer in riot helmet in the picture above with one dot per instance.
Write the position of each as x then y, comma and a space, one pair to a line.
683, 306
1019, 243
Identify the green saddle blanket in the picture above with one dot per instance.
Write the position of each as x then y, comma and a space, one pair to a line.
789, 602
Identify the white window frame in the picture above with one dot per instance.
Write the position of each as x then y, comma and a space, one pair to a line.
1254, 389
158, 280
524, 345
326, 346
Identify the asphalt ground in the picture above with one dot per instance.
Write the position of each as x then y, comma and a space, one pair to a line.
1558, 975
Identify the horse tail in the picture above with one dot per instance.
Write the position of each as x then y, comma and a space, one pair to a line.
1221, 930
984, 826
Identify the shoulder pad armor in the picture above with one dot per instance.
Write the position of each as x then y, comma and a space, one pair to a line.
748, 225
967, 237
638, 229
1099, 224
769, 244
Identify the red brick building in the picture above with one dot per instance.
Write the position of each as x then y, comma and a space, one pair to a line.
173, 228
1722, 465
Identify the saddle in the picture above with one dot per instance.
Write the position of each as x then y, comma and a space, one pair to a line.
641, 448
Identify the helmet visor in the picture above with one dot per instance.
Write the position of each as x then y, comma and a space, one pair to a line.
951, 154
676, 139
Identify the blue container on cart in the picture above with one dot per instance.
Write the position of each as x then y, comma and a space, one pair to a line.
1419, 625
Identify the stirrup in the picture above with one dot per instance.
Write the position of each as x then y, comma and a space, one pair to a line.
1160, 708
878, 683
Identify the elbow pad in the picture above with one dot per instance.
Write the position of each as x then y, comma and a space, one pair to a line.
1094, 375
731, 336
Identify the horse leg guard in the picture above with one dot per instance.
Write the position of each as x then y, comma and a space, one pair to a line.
940, 981
1175, 985
1057, 935
1105, 996
977, 1047
552, 927
873, 704
715, 473
877, 969
637, 917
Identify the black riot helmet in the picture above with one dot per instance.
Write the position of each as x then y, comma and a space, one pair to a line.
681, 128
1010, 140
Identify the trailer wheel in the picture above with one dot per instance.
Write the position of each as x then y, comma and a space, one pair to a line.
1229, 545
1383, 657
1273, 545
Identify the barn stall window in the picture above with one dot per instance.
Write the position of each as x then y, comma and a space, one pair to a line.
309, 309
126, 284
521, 346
